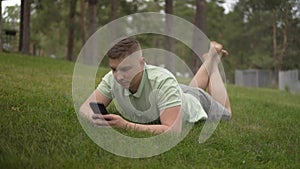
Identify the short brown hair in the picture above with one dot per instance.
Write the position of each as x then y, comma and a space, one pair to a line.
124, 48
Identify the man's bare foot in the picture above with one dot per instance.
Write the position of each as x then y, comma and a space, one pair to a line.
224, 53
216, 47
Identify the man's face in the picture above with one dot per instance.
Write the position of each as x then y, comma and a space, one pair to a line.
127, 70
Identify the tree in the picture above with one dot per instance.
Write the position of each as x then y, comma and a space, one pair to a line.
199, 15
286, 10
1, 26
113, 15
257, 14
169, 42
199, 22
82, 21
24, 46
11, 19
92, 5
49, 22
113, 12
266, 29
71, 28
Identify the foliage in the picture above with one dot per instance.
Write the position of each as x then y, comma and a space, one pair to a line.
259, 17
50, 20
248, 34
11, 17
247, 31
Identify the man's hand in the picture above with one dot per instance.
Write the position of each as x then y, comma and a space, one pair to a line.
112, 120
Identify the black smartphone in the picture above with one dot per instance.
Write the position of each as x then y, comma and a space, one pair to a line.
98, 108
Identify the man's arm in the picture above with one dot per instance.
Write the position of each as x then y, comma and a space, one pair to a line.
96, 96
171, 120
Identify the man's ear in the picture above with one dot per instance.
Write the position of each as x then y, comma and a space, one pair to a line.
142, 62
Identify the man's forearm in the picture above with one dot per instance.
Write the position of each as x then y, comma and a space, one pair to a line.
156, 129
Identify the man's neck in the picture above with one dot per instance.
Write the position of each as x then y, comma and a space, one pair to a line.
134, 88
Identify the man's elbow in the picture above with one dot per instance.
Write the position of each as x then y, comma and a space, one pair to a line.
83, 111
175, 128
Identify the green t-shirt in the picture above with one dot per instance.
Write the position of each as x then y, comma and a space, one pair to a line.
157, 91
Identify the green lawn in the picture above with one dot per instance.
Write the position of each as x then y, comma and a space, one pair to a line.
39, 128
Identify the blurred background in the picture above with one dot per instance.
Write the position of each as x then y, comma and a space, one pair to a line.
262, 36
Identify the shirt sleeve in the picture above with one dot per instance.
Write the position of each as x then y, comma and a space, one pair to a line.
105, 86
169, 94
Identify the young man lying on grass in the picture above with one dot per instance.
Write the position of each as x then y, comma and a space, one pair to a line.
150, 98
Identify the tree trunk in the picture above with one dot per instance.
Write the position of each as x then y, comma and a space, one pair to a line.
169, 42
199, 23
1, 45
274, 37
113, 10
275, 45
285, 35
90, 52
199, 16
82, 21
92, 16
113, 16
71, 30
24, 43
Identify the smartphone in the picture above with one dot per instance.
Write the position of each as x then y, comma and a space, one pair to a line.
98, 108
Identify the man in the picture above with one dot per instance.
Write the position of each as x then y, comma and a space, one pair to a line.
149, 98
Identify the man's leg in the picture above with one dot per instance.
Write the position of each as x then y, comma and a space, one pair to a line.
208, 76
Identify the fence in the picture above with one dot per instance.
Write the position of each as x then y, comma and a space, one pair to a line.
289, 80
253, 78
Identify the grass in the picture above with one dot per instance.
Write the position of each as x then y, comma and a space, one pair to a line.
39, 128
